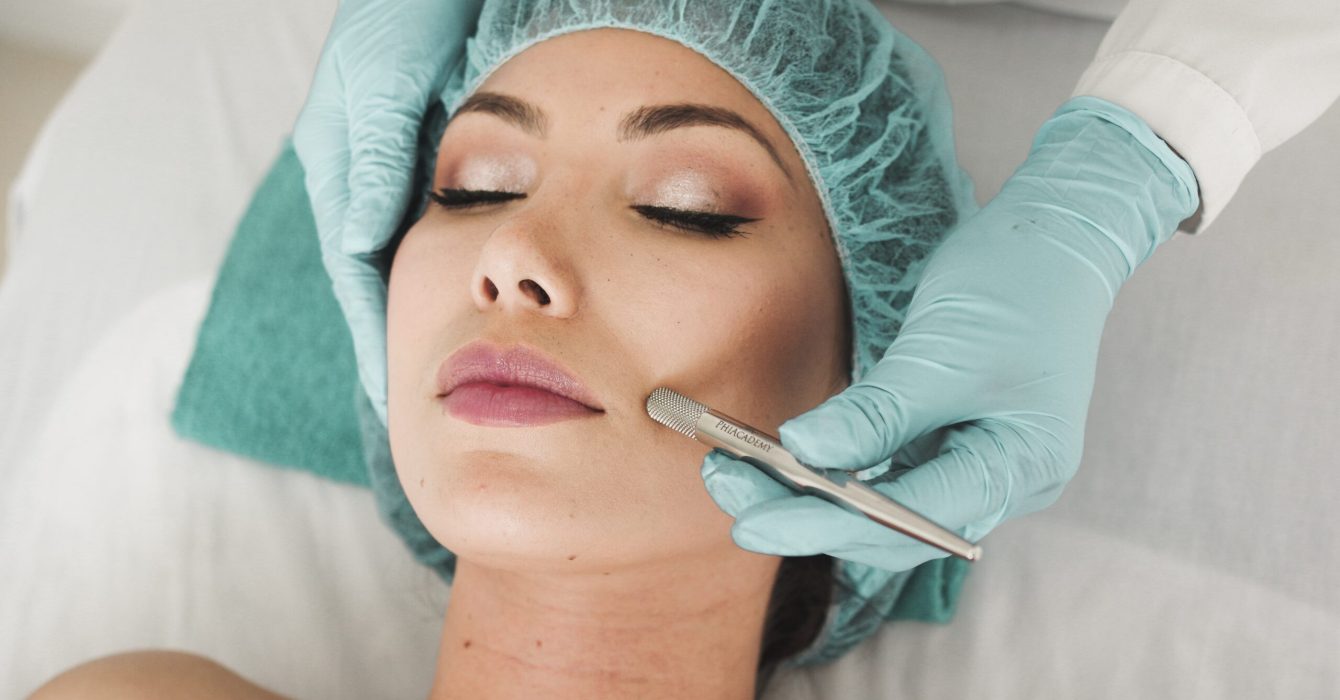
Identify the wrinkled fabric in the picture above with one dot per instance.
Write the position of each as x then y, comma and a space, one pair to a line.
867, 110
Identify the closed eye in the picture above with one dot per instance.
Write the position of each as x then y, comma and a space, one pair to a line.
708, 223
715, 225
461, 199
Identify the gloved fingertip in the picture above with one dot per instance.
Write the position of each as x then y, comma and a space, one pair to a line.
798, 433
822, 437
712, 463
737, 486
748, 538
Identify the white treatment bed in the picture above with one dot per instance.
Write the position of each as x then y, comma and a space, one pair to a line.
1195, 556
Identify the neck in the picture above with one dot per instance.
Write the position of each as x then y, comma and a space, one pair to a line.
674, 629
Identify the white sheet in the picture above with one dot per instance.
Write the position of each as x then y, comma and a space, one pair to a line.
118, 535
1192, 557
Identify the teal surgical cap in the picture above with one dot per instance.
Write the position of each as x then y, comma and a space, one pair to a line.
867, 110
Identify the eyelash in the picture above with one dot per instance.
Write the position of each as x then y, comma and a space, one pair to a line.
712, 225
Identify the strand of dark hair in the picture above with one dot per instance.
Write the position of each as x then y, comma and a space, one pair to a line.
797, 608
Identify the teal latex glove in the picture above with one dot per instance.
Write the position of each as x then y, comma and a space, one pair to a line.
993, 368
382, 65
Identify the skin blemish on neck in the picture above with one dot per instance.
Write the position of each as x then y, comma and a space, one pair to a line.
467, 644
571, 557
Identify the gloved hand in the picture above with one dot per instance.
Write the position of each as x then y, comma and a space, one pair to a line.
995, 361
382, 65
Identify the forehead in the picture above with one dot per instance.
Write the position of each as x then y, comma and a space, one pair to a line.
601, 74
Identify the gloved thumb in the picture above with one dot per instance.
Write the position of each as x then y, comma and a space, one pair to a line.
901, 398
986, 471
853, 430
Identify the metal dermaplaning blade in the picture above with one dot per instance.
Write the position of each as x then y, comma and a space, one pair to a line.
765, 451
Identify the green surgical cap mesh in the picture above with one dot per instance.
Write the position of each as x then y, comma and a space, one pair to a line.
868, 111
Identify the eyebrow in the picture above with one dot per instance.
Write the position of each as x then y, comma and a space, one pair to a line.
640, 123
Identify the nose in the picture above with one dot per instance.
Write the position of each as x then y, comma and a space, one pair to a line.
521, 269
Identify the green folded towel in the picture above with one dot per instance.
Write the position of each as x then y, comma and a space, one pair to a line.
273, 378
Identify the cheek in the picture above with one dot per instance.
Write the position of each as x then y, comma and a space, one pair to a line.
757, 333
427, 288
432, 257
785, 351
432, 265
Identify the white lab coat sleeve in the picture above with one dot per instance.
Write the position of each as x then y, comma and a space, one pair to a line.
1221, 81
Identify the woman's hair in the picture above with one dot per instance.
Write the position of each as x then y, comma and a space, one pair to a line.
797, 609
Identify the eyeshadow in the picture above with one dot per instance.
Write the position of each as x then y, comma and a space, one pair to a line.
498, 172
688, 189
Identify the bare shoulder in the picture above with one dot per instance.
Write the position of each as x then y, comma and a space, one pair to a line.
136, 675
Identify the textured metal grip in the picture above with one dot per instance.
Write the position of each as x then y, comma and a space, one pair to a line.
675, 411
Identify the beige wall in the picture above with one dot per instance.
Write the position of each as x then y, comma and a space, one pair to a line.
32, 80
69, 26
43, 46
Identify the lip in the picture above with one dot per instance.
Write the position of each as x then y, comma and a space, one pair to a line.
485, 384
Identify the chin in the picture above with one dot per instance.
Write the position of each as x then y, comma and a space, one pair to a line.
506, 540
563, 512
513, 514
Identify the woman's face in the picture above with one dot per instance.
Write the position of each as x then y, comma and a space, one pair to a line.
577, 267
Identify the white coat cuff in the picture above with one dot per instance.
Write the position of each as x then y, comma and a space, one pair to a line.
1190, 112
